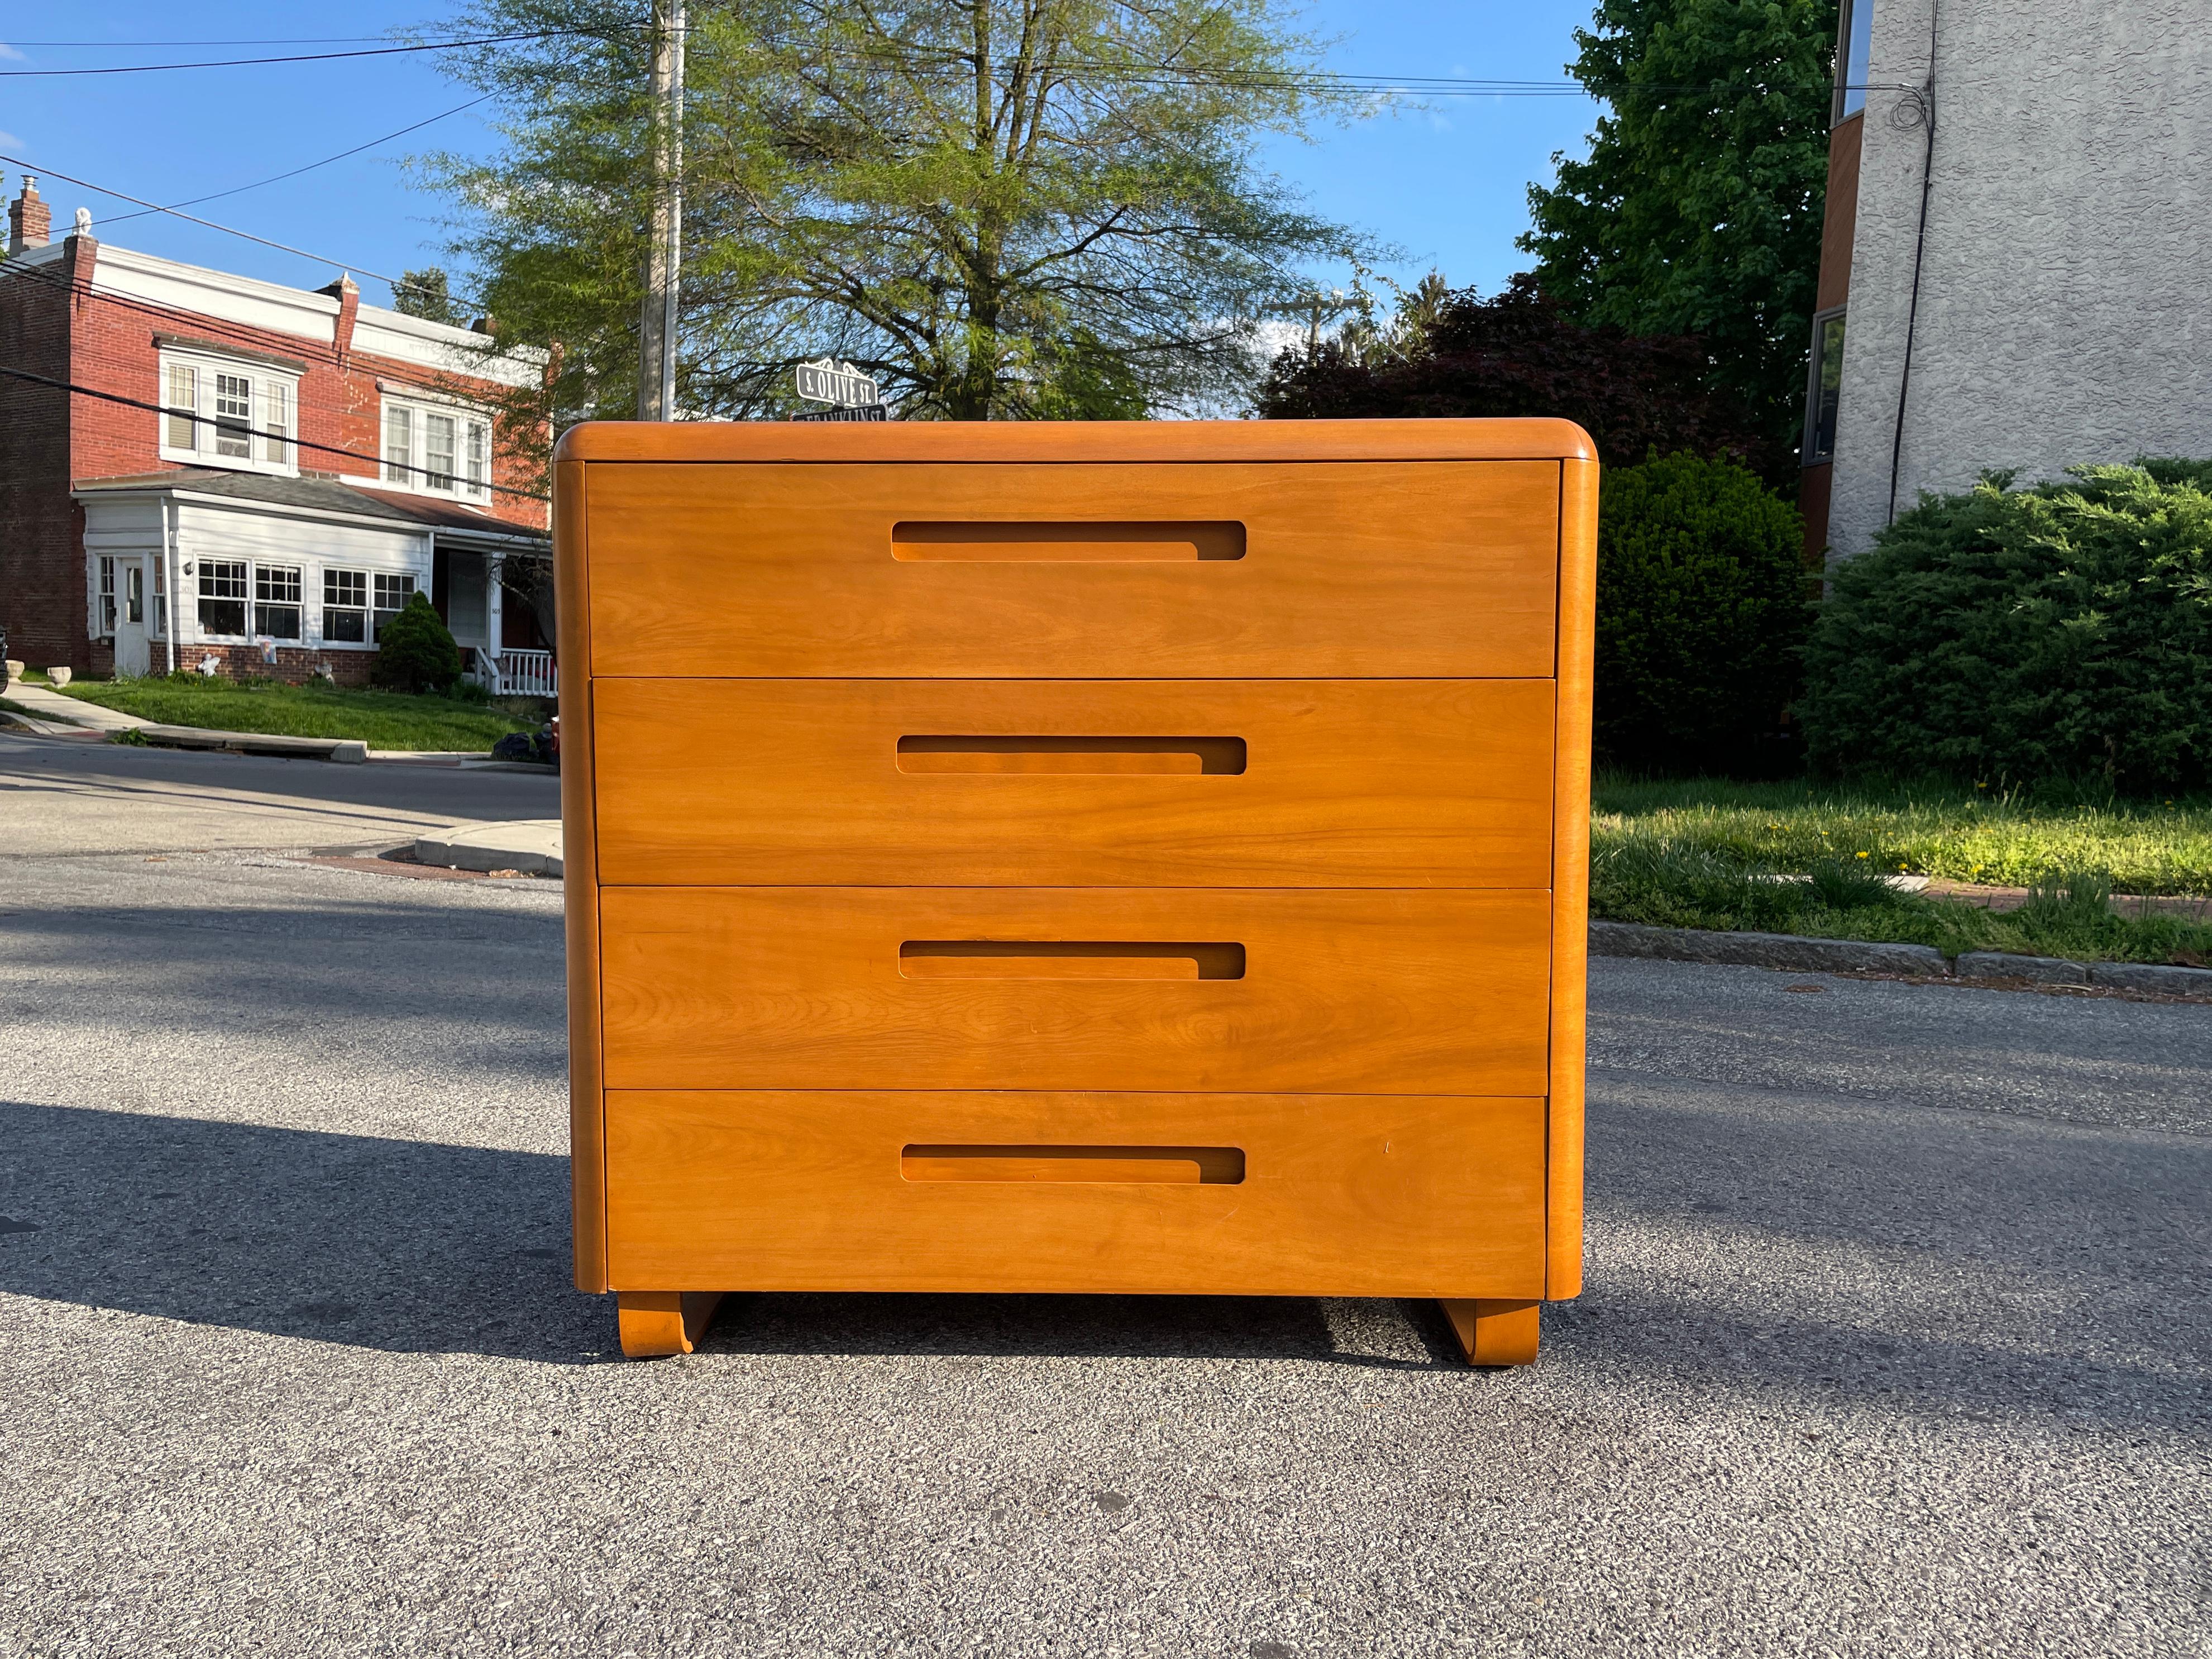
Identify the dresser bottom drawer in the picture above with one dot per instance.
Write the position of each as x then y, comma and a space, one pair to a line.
1245, 1194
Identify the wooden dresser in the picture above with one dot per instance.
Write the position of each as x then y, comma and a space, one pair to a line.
1132, 857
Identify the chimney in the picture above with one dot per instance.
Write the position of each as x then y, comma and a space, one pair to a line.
29, 219
349, 298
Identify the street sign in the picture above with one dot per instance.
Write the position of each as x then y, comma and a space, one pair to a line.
828, 381
863, 412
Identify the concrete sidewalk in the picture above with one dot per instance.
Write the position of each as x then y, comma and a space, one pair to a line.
531, 846
49, 704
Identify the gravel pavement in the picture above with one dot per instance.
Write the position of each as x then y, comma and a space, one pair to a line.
1895, 1343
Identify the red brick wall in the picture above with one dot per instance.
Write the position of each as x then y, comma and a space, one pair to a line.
42, 603
48, 439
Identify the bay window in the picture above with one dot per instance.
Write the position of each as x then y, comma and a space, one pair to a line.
219, 411
437, 449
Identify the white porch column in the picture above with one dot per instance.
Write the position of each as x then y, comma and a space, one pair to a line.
495, 599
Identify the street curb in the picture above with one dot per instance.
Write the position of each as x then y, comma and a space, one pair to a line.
347, 752
1791, 952
1832, 956
489, 846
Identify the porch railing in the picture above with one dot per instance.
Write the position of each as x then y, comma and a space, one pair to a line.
523, 674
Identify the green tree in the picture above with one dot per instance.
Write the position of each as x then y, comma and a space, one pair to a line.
1698, 209
1003, 208
414, 652
1702, 602
426, 293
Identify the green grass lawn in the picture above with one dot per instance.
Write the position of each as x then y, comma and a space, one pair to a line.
1799, 858
382, 720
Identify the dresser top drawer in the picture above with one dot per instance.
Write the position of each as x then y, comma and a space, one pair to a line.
1232, 569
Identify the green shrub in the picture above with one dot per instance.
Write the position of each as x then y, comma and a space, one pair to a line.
415, 652
2058, 634
1702, 600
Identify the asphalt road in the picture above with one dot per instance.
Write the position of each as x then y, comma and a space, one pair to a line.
1895, 1342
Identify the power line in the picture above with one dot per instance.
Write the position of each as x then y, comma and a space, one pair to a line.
243, 335
32, 169
240, 190
305, 57
253, 431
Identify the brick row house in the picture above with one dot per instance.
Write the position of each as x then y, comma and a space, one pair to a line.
288, 466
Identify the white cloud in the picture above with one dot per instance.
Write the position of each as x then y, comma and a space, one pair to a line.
9, 54
11, 141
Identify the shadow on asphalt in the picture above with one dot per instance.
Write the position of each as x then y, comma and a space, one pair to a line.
412, 1247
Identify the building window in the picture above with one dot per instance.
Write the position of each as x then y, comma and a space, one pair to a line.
393, 593
1823, 388
1854, 53
277, 600
345, 607
183, 404
104, 611
134, 593
444, 452
275, 420
223, 596
161, 601
398, 444
234, 416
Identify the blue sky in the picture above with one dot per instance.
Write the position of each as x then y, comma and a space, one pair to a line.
1446, 181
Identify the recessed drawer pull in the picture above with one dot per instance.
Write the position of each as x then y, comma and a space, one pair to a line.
992, 542
1162, 1166
998, 958
1191, 756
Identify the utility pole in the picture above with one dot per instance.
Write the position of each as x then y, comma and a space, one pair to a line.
656, 368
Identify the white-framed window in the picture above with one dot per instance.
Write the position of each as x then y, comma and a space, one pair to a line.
222, 585
160, 600
392, 592
227, 412
276, 601
103, 617
439, 449
346, 606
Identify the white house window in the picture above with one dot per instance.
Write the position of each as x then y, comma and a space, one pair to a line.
223, 596
160, 602
345, 607
228, 413
277, 600
393, 593
275, 420
104, 620
182, 432
233, 415
439, 451
398, 444
134, 593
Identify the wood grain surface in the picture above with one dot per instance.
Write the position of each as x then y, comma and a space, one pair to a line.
1359, 783
1570, 876
1439, 992
1341, 1195
956, 443
1360, 570
578, 838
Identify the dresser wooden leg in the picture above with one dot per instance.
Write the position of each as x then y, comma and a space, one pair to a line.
1494, 1333
657, 1322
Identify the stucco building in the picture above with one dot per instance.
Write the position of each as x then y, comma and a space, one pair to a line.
201, 468
2016, 271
